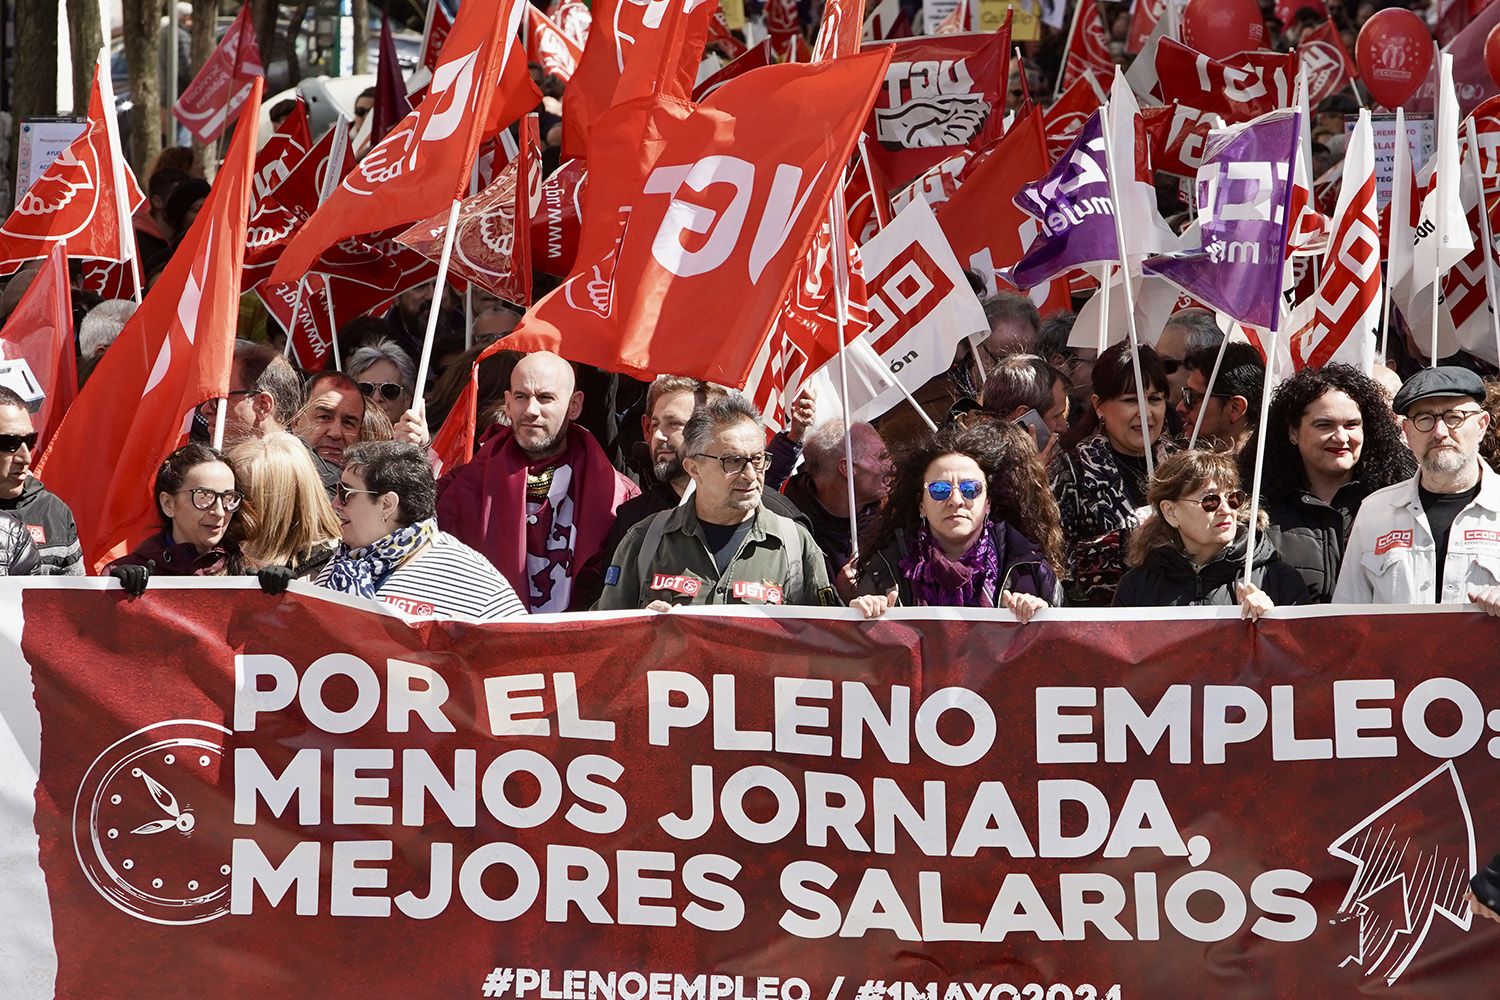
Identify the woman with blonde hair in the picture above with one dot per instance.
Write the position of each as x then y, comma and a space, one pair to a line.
1191, 551
291, 526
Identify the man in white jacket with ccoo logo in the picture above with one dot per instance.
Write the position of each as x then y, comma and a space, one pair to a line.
1435, 538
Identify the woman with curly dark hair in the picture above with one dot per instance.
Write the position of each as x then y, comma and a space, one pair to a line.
1330, 443
969, 522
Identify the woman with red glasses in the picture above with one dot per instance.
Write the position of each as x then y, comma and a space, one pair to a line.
1191, 550
969, 523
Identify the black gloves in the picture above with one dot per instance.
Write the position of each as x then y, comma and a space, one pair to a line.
274, 579
1486, 885
133, 578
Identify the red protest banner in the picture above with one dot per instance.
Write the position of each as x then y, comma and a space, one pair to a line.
298, 797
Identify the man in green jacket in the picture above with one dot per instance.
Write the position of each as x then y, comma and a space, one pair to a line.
721, 545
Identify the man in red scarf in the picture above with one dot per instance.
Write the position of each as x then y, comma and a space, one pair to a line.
539, 498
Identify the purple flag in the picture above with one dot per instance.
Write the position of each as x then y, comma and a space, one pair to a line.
1243, 190
1073, 209
391, 102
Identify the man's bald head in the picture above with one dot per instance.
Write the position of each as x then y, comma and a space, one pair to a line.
542, 402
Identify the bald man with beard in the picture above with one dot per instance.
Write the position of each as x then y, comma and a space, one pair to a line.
539, 497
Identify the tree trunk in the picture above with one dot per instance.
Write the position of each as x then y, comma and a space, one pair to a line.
361, 11
143, 57
263, 16
205, 28
294, 29
87, 38
34, 91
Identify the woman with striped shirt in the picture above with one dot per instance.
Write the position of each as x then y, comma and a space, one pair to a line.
392, 549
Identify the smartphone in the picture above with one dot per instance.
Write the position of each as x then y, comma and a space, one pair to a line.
1033, 419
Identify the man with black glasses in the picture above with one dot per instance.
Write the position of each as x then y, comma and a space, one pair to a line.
722, 546
48, 520
1434, 538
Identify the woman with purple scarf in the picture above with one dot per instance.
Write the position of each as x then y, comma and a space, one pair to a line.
969, 523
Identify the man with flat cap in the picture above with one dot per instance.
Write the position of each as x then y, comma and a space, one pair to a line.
1434, 538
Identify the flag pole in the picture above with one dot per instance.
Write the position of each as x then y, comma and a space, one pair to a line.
840, 227
1104, 283
1445, 72
437, 297
220, 412
117, 168
1270, 376
1062, 70
1135, 344
1385, 313
1484, 231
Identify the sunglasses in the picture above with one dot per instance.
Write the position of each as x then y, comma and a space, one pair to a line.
341, 492
11, 443
1210, 501
204, 498
388, 390
1170, 365
969, 489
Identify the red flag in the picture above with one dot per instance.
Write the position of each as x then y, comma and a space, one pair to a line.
1087, 48
305, 312
283, 151
754, 58
40, 330
276, 217
575, 19
556, 227
886, 22
548, 46
492, 247
76, 199
173, 354
719, 35
623, 30
425, 163
866, 197
1239, 88
1143, 23
840, 32
223, 83
939, 97
435, 33
108, 279
391, 104
1063, 120
985, 228
783, 23
719, 208
1321, 54
453, 444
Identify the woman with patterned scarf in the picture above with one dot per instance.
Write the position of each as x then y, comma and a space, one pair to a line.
969, 523
392, 549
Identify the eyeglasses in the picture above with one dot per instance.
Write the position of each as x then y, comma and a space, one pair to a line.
735, 464
388, 390
11, 443
1455, 419
1192, 397
341, 492
941, 490
1210, 501
204, 498
209, 408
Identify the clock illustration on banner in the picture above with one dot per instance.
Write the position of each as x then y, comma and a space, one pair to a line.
151, 827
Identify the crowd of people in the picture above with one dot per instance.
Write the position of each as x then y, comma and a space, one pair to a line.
1036, 492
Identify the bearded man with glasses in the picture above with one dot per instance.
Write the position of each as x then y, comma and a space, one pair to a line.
721, 545
1434, 538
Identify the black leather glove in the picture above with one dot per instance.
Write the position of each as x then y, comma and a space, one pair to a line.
1486, 885
133, 578
274, 579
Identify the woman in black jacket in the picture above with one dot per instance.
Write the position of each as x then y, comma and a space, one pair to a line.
1191, 551
1332, 442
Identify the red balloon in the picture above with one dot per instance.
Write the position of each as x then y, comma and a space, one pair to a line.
1394, 53
1220, 28
1492, 53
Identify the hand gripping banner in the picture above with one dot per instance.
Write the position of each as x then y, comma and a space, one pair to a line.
212, 792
